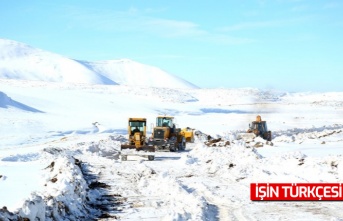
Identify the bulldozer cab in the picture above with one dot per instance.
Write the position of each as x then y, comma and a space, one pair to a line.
137, 125
257, 128
261, 126
165, 125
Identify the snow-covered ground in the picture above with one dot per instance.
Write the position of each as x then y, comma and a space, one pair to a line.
59, 143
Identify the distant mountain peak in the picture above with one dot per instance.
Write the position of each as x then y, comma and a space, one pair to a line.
23, 62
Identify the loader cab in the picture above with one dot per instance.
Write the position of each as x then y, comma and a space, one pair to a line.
164, 122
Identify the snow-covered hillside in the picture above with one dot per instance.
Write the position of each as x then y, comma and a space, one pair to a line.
128, 72
23, 62
60, 143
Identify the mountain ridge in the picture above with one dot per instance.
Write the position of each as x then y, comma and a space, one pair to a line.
24, 62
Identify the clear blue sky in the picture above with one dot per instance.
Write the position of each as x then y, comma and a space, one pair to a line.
292, 45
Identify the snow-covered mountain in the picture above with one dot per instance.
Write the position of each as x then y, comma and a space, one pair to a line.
128, 72
23, 62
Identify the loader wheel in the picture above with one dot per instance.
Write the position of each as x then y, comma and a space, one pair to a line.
182, 144
173, 144
172, 148
123, 157
269, 136
151, 157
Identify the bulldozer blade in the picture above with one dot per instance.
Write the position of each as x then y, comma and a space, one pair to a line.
246, 136
141, 148
146, 148
125, 146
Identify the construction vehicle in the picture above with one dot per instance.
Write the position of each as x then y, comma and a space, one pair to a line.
257, 128
166, 137
137, 140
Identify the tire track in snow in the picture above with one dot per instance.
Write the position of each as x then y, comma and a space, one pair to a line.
102, 196
135, 190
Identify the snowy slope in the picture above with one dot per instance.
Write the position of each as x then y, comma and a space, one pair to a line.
23, 62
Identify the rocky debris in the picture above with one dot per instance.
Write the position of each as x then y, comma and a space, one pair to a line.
211, 141
51, 165
334, 164
258, 142
301, 161
219, 142
53, 180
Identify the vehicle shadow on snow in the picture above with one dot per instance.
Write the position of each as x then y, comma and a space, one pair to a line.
163, 158
157, 158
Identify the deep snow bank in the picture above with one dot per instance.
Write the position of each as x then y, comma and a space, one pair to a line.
64, 194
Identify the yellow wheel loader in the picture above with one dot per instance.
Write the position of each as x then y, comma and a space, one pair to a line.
166, 137
257, 128
137, 140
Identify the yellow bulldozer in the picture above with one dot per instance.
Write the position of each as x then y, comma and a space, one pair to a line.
257, 128
166, 137
137, 140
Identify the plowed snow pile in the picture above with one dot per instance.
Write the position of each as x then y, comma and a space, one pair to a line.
200, 184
